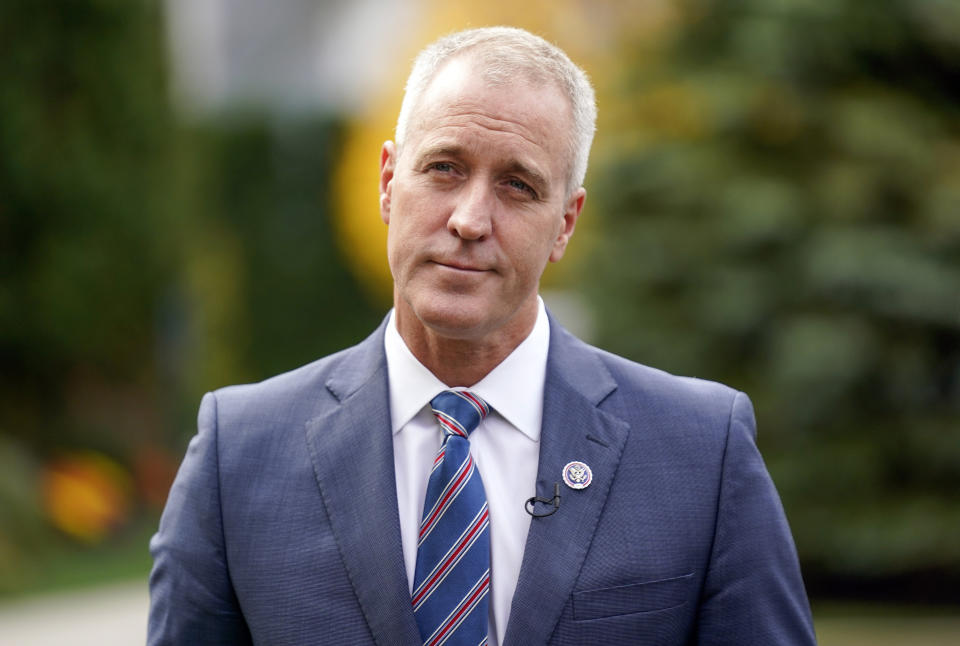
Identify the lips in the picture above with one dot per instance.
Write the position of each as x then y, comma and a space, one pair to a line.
460, 266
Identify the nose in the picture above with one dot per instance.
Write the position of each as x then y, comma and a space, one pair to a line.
472, 216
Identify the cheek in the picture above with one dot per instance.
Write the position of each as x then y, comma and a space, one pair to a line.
536, 242
413, 215
530, 259
398, 241
406, 241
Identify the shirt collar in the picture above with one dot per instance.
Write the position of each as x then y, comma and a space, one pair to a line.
514, 388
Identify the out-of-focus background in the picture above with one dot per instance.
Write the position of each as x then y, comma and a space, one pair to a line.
188, 198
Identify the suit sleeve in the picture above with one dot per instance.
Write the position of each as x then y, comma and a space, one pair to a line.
191, 597
753, 593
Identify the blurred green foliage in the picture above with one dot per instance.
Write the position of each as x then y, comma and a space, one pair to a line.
88, 224
88, 239
781, 212
268, 192
143, 260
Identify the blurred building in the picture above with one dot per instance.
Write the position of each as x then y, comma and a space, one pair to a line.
285, 57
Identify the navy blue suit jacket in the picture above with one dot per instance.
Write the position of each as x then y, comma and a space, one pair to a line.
282, 528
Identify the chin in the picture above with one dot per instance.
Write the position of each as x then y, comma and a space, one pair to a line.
456, 321
461, 314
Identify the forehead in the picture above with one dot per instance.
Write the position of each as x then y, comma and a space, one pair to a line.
521, 113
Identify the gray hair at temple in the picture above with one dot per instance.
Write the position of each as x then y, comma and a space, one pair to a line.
503, 52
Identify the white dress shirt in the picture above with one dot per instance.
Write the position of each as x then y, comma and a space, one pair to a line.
505, 447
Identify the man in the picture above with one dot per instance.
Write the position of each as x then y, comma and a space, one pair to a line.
307, 506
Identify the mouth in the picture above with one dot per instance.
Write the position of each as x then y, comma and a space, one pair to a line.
458, 266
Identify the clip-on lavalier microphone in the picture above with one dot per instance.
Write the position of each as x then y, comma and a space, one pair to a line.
531, 505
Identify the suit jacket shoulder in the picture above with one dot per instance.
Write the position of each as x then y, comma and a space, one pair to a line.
696, 408
306, 391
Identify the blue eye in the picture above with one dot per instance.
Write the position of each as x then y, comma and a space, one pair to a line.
443, 167
521, 186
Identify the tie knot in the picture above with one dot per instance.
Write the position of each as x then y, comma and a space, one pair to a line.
459, 411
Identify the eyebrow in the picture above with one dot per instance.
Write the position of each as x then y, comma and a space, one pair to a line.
536, 178
442, 150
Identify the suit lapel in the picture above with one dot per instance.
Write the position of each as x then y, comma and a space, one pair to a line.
352, 452
574, 428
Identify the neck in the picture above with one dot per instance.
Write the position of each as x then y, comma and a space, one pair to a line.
463, 359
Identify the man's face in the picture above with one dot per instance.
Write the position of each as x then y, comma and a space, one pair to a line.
477, 203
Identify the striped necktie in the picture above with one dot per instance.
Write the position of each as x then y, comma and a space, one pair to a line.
452, 578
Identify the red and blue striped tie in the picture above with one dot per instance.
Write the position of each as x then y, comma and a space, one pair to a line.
451, 582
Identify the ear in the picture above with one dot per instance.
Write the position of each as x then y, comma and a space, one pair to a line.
388, 163
571, 212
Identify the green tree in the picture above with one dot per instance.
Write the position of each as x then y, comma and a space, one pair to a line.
89, 213
142, 260
781, 212
91, 209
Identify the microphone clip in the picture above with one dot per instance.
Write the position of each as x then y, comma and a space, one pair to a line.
531, 505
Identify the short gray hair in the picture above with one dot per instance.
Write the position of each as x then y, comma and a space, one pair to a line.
502, 52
